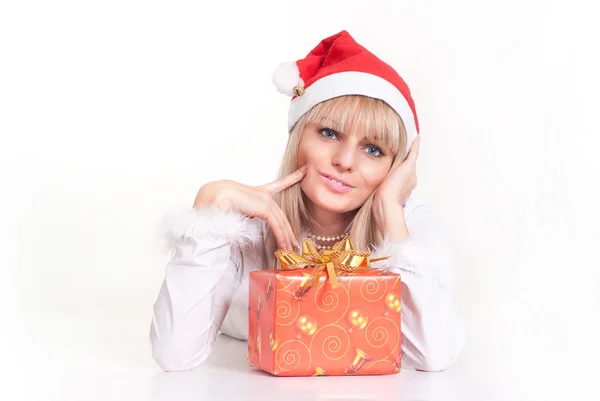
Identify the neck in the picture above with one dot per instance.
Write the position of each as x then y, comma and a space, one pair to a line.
327, 223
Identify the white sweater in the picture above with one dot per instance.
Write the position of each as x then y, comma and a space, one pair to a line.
205, 289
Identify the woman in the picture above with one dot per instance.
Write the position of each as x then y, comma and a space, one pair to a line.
348, 169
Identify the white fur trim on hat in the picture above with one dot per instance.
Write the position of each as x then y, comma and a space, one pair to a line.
355, 83
286, 77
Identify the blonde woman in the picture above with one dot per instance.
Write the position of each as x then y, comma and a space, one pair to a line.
348, 169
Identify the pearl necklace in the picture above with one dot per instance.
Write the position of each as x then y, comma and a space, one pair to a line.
326, 239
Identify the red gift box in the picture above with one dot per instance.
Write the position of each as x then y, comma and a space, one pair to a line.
303, 322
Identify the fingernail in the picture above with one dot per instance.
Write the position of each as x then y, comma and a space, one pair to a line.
303, 168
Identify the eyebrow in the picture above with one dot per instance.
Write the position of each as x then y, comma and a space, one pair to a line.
333, 124
375, 138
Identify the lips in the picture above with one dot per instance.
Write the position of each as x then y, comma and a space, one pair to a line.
335, 184
335, 179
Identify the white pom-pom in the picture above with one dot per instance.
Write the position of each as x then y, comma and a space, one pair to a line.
286, 77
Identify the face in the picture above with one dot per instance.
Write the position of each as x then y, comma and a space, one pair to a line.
344, 169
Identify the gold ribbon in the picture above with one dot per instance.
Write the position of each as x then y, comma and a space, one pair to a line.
341, 259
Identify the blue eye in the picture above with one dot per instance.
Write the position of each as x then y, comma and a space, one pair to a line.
374, 151
327, 133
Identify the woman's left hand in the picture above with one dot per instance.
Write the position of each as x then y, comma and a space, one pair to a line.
388, 209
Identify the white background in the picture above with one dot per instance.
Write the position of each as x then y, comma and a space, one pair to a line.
113, 113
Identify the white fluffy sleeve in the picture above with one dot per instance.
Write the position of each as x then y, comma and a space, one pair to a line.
210, 222
199, 283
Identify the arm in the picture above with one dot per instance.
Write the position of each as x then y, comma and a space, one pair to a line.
199, 284
432, 334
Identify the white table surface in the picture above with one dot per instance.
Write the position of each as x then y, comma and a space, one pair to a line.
101, 352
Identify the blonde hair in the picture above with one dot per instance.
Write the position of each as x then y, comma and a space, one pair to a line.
373, 117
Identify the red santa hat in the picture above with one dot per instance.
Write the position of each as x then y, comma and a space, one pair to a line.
340, 66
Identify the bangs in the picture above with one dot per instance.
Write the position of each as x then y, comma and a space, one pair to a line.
370, 117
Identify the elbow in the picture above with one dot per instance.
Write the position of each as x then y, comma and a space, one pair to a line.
435, 362
439, 356
169, 360
173, 356
168, 363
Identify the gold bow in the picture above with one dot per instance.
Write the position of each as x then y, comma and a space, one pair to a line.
342, 258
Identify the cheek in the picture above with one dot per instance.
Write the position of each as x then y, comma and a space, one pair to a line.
310, 152
303, 152
374, 175
301, 157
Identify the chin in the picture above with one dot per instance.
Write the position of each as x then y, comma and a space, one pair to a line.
335, 209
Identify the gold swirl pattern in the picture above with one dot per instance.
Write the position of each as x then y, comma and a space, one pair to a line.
384, 334
293, 355
327, 300
372, 290
287, 312
294, 281
382, 365
331, 341
285, 284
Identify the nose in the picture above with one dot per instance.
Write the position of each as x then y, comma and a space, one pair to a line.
344, 157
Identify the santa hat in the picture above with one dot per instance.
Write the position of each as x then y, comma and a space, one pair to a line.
339, 66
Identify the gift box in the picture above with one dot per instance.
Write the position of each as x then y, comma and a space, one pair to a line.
324, 313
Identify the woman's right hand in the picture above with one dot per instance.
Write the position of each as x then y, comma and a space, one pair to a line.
254, 202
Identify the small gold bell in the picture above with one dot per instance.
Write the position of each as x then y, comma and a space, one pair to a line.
298, 90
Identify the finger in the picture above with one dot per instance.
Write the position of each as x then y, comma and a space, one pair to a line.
284, 233
273, 222
287, 227
285, 182
414, 150
269, 214
292, 240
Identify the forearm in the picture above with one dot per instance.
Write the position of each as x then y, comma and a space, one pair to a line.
432, 332
191, 305
198, 285
390, 220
